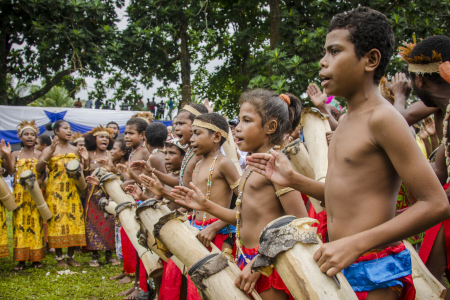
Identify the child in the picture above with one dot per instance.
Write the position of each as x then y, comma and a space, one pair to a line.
99, 230
432, 85
42, 142
264, 118
371, 151
5, 160
66, 228
78, 140
28, 239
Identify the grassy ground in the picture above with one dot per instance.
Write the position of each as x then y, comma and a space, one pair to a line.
32, 283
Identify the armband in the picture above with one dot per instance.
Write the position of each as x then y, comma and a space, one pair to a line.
281, 192
235, 185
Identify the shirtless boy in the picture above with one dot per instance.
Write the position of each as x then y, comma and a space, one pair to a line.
371, 152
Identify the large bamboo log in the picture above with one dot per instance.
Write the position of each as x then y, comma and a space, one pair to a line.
125, 212
289, 244
7, 198
229, 147
174, 236
107, 206
28, 181
73, 169
315, 126
299, 158
426, 285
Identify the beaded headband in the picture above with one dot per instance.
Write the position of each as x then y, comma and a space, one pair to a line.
286, 99
191, 110
210, 126
27, 125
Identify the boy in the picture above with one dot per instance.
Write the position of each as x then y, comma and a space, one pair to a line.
114, 126
42, 142
371, 150
430, 83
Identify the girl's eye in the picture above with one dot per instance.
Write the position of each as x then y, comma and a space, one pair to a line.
334, 51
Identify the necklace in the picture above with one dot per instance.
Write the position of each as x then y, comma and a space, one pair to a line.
208, 185
18, 158
184, 163
445, 142
132, 153
95, 160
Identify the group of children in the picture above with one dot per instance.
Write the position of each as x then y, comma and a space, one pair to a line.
373, 154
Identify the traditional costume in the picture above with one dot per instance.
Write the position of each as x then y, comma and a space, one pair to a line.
66, 228
4, 251
130, 259
384, 268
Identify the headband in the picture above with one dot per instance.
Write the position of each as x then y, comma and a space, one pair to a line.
191, 110
28, 127
210, 126
101, 132
78, 139
286, 99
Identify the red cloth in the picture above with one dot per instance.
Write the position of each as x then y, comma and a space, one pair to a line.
171, 281
129, 260
322, 218
408, 292
264, 283
430, 237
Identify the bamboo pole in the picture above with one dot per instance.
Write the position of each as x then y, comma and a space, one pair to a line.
296, 266
7, 198
315, 126
73, 169
28, 181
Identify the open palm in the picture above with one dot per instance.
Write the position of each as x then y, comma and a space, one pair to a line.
274, 165
194, 198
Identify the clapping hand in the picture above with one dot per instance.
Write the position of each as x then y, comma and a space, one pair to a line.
152, 184
93, 180
83, 153
55, 142
123, 168
194, 198
274, 165
429, 126
400, 85
106, 163
6, 149
318, 97
142, 166
134, 191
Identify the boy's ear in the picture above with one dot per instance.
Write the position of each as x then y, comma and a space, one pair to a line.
142, 135
217, 137
419, 81
271, 126
373, 58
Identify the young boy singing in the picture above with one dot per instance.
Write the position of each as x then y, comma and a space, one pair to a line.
371, 152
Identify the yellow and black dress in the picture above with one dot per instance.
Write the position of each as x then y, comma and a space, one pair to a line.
28, 236
66, 228
4, 251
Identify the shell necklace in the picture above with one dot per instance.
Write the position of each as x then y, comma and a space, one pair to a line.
132, 153
18, 158
445, 142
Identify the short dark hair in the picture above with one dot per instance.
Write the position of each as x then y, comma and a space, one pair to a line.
156, 134
90, 142
199, 107
45, 140
140, 124
217, 120
369, 29
270, 105
112, 122
55, 126
438, 43
123, 147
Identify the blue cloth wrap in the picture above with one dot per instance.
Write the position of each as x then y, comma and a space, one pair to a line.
241, 260
221, 231
379, 273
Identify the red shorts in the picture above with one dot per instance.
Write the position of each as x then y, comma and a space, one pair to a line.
264, 283
130, 260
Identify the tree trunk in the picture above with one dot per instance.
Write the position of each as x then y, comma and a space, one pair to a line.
275, 21
3, 67
185, 66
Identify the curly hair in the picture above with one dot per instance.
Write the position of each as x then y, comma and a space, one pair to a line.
140, 124
124, 148
438, 43
156, 134
270, 105
217, 120
91, 142
369, 29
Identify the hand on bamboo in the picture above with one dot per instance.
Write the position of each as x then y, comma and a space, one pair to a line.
247, 279
194, 198
335, 256
142, 166
329, 136
206, 235
6, 149
93, 180
274, 165
152, 183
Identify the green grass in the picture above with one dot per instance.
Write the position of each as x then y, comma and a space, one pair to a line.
35, 284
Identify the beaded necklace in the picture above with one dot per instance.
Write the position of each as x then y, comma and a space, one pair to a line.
18, 158
95, 153
184, 163
445, 142
208, 185
132, 153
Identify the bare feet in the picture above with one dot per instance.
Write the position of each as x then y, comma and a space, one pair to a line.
133, 295
62, 263
72, 262
94, 263
119, 276
19, 266
112, 261
37, 264
125, 280
130, 291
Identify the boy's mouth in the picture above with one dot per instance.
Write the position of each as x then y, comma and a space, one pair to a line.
325, 79
239, 140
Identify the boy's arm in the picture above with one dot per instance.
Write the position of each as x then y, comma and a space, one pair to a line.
230, 173
292, 202
166, 178
391, 133
439, 166
158, 164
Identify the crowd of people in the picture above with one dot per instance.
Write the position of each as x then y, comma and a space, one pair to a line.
388, 168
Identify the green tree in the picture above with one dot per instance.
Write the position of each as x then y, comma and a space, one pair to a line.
50, 39
56, 97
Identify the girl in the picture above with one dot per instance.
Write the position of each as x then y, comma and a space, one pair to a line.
28, 241
264, 119
78, 140
5, 159
66, 228
99, 230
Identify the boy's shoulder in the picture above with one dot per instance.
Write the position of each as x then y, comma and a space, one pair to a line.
385, 116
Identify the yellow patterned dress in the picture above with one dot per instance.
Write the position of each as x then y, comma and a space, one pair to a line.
66, 228
28, 237
4, 251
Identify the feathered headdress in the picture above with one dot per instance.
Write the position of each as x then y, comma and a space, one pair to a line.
425, 64
76, 137
146, 116
102, 130
385, 92
27, 125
